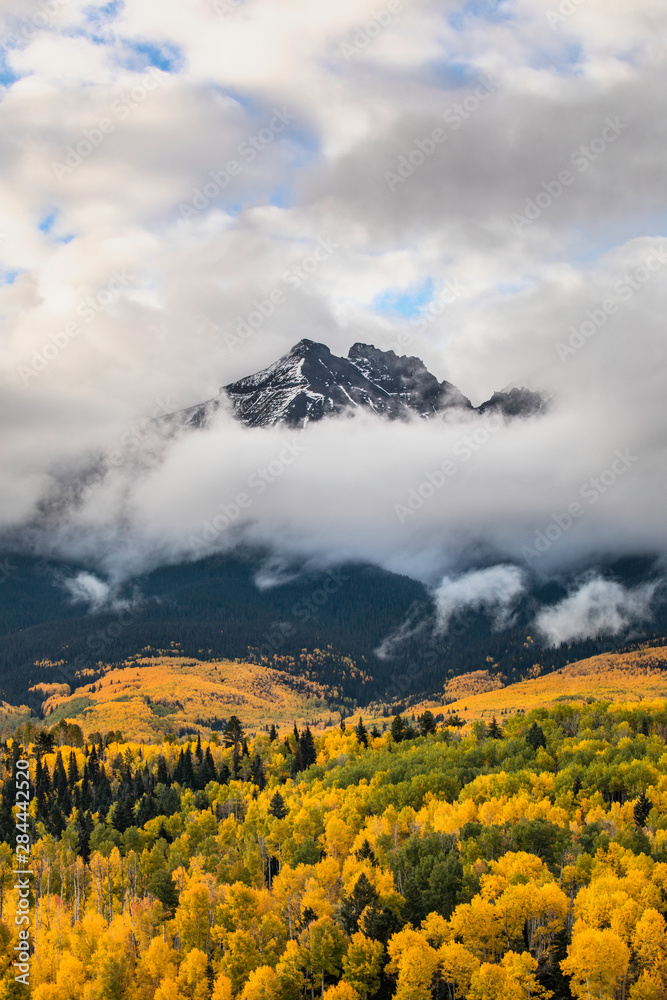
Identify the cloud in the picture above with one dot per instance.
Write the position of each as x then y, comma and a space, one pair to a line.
598, 607
86, 588
511, 304
494, 590
414, 625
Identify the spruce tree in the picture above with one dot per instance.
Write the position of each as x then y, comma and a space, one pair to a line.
233, 732
643, 807
494, 731
72, 770
123, 816
362, 895
277, 806
208, 768
308, 748
361, 733
427, 723
59, 780
397, 729
535, 737
258, 775
163, 771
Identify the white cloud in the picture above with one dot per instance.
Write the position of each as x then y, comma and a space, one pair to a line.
494, 590
86, 588
598, 607
163, 337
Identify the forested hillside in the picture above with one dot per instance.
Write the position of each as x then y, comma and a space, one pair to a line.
214, 609
462, 862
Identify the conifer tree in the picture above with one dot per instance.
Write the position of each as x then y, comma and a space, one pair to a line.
361, 733
535, 737
277, 806
308, 748
72, 770
427, 723
397, 729
362, 895
494, 731
208, 768
162, 771
641, 811
258, 775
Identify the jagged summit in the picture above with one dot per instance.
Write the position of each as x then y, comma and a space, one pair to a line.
309, 383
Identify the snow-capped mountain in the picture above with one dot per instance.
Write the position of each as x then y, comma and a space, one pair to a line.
310, 383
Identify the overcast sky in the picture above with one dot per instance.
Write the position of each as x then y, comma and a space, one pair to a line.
485, 184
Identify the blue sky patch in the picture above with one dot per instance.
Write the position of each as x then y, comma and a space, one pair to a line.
404, 302
46, 223
7, 75
9, 277
485, 10
141, 56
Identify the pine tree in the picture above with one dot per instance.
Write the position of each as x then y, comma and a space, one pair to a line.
209, 772
102, 796
296, 765
273, 734
494, 731
45, 742
188, 780
162, 771
535, 737
363, 894
199, 753
84, 827
427, 723
224, 774
123, 816
643, 807
234, 734
55, 821
72, 770
397, 729
59, 780
361, 733
277, 806
308, 748
93, 765
366, 853
258, 775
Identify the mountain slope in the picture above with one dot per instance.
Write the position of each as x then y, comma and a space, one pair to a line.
310, 383
617, 677
150, 697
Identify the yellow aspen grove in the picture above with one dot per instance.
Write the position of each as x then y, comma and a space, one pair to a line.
597, 961
456, 968
262, 984
375, 887
362, 965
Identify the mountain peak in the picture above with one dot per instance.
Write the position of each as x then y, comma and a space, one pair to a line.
306, 346
309, 383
